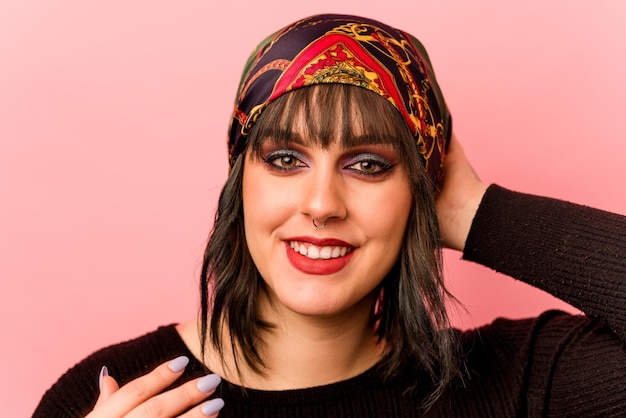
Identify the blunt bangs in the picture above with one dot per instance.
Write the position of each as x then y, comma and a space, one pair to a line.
322, 114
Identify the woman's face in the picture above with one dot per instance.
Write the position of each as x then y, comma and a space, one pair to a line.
364, 196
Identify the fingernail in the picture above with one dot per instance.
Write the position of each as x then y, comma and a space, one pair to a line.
104, 371
208, 383
212, 407
178, 364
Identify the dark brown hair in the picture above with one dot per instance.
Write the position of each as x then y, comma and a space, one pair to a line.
411, 314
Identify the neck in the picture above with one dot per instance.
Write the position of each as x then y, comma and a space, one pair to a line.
306, 351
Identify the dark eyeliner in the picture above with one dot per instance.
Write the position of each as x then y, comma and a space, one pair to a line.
384, 165
271, 157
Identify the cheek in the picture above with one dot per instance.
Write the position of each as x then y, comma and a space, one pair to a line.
262, 199
391, 219
266, 203
254, 197
396, 226
256, 191
389, 212
255, 202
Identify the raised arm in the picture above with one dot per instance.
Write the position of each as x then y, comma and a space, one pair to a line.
574, 252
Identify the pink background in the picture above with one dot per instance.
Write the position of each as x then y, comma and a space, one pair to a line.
112, 126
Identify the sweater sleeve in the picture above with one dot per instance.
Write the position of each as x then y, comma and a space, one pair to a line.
574, 252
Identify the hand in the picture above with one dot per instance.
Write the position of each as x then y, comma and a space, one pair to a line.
460, 195
144, 396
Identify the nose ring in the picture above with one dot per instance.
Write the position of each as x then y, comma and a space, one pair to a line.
319, 226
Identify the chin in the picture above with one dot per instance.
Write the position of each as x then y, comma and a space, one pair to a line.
325, 307
321, 308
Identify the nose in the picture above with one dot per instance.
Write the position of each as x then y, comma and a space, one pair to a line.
323, 195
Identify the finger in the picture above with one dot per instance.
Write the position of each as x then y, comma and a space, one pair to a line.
134, 393
107, 385
209, 408
212, 408
180, 399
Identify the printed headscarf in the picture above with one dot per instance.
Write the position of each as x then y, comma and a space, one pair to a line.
350, 50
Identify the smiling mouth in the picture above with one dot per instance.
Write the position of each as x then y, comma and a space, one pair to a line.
316, 252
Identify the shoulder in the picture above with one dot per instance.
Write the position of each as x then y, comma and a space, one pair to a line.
76, 391
553, 331
130, 359
537, 346
563, 363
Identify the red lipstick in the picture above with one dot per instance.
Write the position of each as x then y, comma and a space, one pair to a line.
319, 266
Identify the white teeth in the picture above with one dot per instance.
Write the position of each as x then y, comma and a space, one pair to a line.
326, 252
315, 253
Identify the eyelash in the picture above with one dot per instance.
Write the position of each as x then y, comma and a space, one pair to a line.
383, 166
272, 157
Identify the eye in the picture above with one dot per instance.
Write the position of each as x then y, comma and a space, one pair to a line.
284, 160
369, 164
366, 166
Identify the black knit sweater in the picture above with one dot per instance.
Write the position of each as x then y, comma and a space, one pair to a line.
553, 365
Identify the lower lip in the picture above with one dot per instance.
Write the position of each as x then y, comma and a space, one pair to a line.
319, 266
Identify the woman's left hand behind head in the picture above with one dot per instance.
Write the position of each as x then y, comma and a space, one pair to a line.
460, 193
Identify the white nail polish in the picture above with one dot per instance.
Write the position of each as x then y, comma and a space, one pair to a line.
208, 383
213, 406
178, 364
104, 371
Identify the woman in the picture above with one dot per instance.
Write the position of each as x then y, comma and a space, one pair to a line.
322, 292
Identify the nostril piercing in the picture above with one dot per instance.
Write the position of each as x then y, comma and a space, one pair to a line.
319, 226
